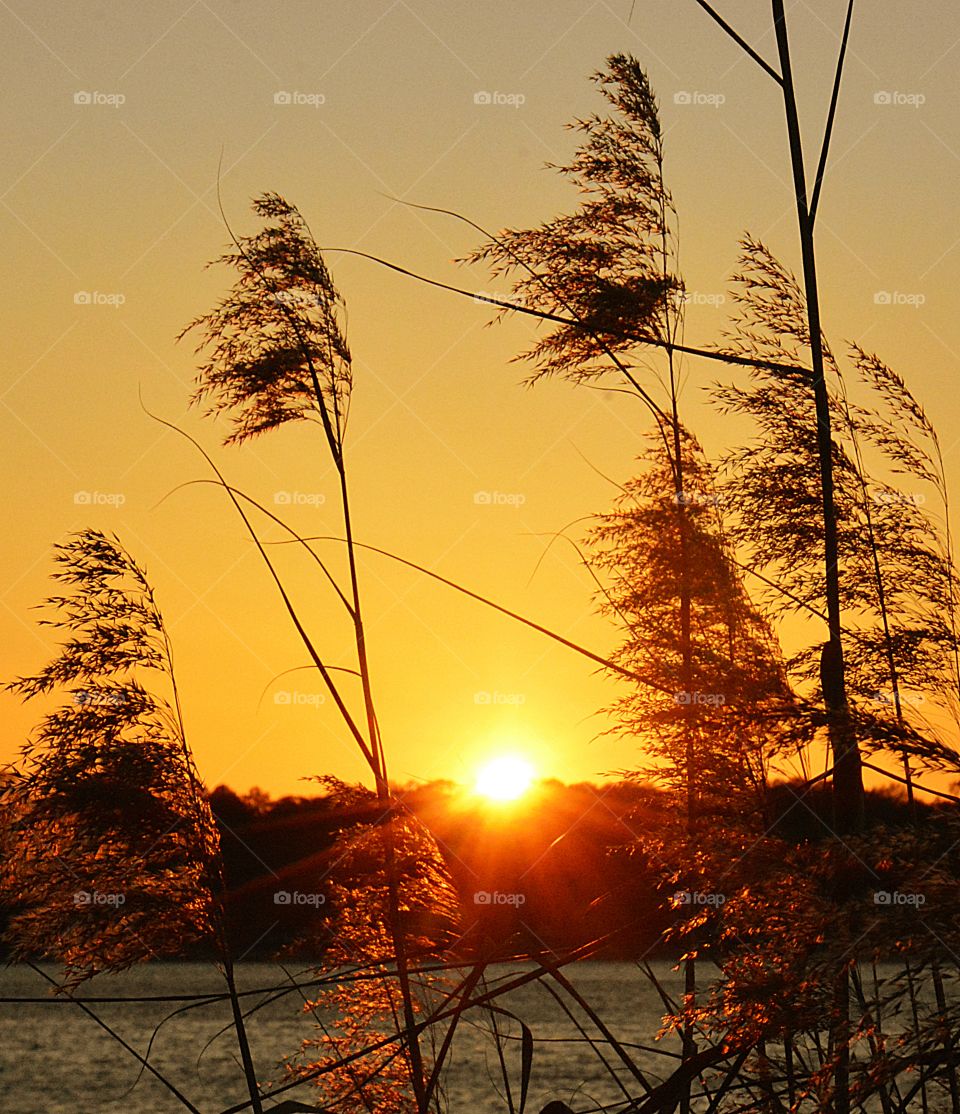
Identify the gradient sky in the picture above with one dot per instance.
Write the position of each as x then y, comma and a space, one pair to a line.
120, 199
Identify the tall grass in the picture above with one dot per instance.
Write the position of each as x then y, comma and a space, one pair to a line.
785, 1006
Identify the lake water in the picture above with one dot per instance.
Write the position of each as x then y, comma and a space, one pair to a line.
55, 1060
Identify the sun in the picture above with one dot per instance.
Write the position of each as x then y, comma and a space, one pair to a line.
505, 778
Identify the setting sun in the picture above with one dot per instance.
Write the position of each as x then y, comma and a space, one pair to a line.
505, 778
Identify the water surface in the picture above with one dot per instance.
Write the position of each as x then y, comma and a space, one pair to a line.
55, 1060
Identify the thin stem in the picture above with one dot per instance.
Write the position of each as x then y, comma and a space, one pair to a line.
916, 785
544, 315
284, 595
243, 1043
602, 1028
848, 779
828, 130
881, 589
739, 40
184, 1101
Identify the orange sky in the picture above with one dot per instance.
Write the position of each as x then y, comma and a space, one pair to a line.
114, 121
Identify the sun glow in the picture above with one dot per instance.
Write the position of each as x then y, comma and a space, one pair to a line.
505, 778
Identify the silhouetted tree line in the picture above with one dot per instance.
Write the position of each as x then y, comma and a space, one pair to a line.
575, 868
563, 862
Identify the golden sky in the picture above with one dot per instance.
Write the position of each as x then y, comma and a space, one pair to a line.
114, 120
